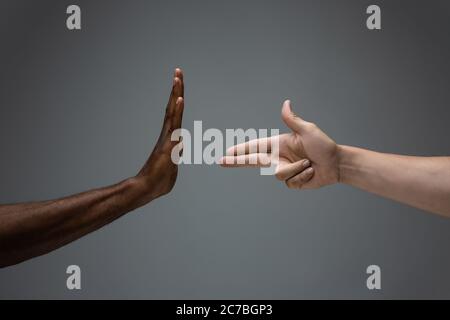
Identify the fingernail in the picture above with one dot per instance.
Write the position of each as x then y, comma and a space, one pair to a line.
309, 170
306, 163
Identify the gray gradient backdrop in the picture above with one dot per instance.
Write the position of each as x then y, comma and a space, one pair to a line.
82, 109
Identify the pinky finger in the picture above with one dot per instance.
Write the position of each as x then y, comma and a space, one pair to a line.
178, 117
297, 181
292, 169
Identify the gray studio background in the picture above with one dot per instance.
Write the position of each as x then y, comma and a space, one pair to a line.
83, 109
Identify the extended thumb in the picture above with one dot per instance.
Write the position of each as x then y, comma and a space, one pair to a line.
293, 121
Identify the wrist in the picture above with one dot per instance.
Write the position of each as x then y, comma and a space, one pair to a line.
140, 189
346, 158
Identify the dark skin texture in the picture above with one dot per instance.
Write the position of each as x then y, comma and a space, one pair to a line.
28, 230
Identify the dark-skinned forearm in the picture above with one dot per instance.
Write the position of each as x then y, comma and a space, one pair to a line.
31, 229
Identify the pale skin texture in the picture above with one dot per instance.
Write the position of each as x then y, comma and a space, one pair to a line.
31, 229
421, 182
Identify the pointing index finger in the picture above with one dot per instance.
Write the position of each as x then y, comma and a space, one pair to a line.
262, 145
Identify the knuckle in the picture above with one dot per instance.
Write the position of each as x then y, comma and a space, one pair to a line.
279, 176
170, 130
311, 126
290, 185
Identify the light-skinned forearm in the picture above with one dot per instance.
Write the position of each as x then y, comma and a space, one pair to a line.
422, 182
